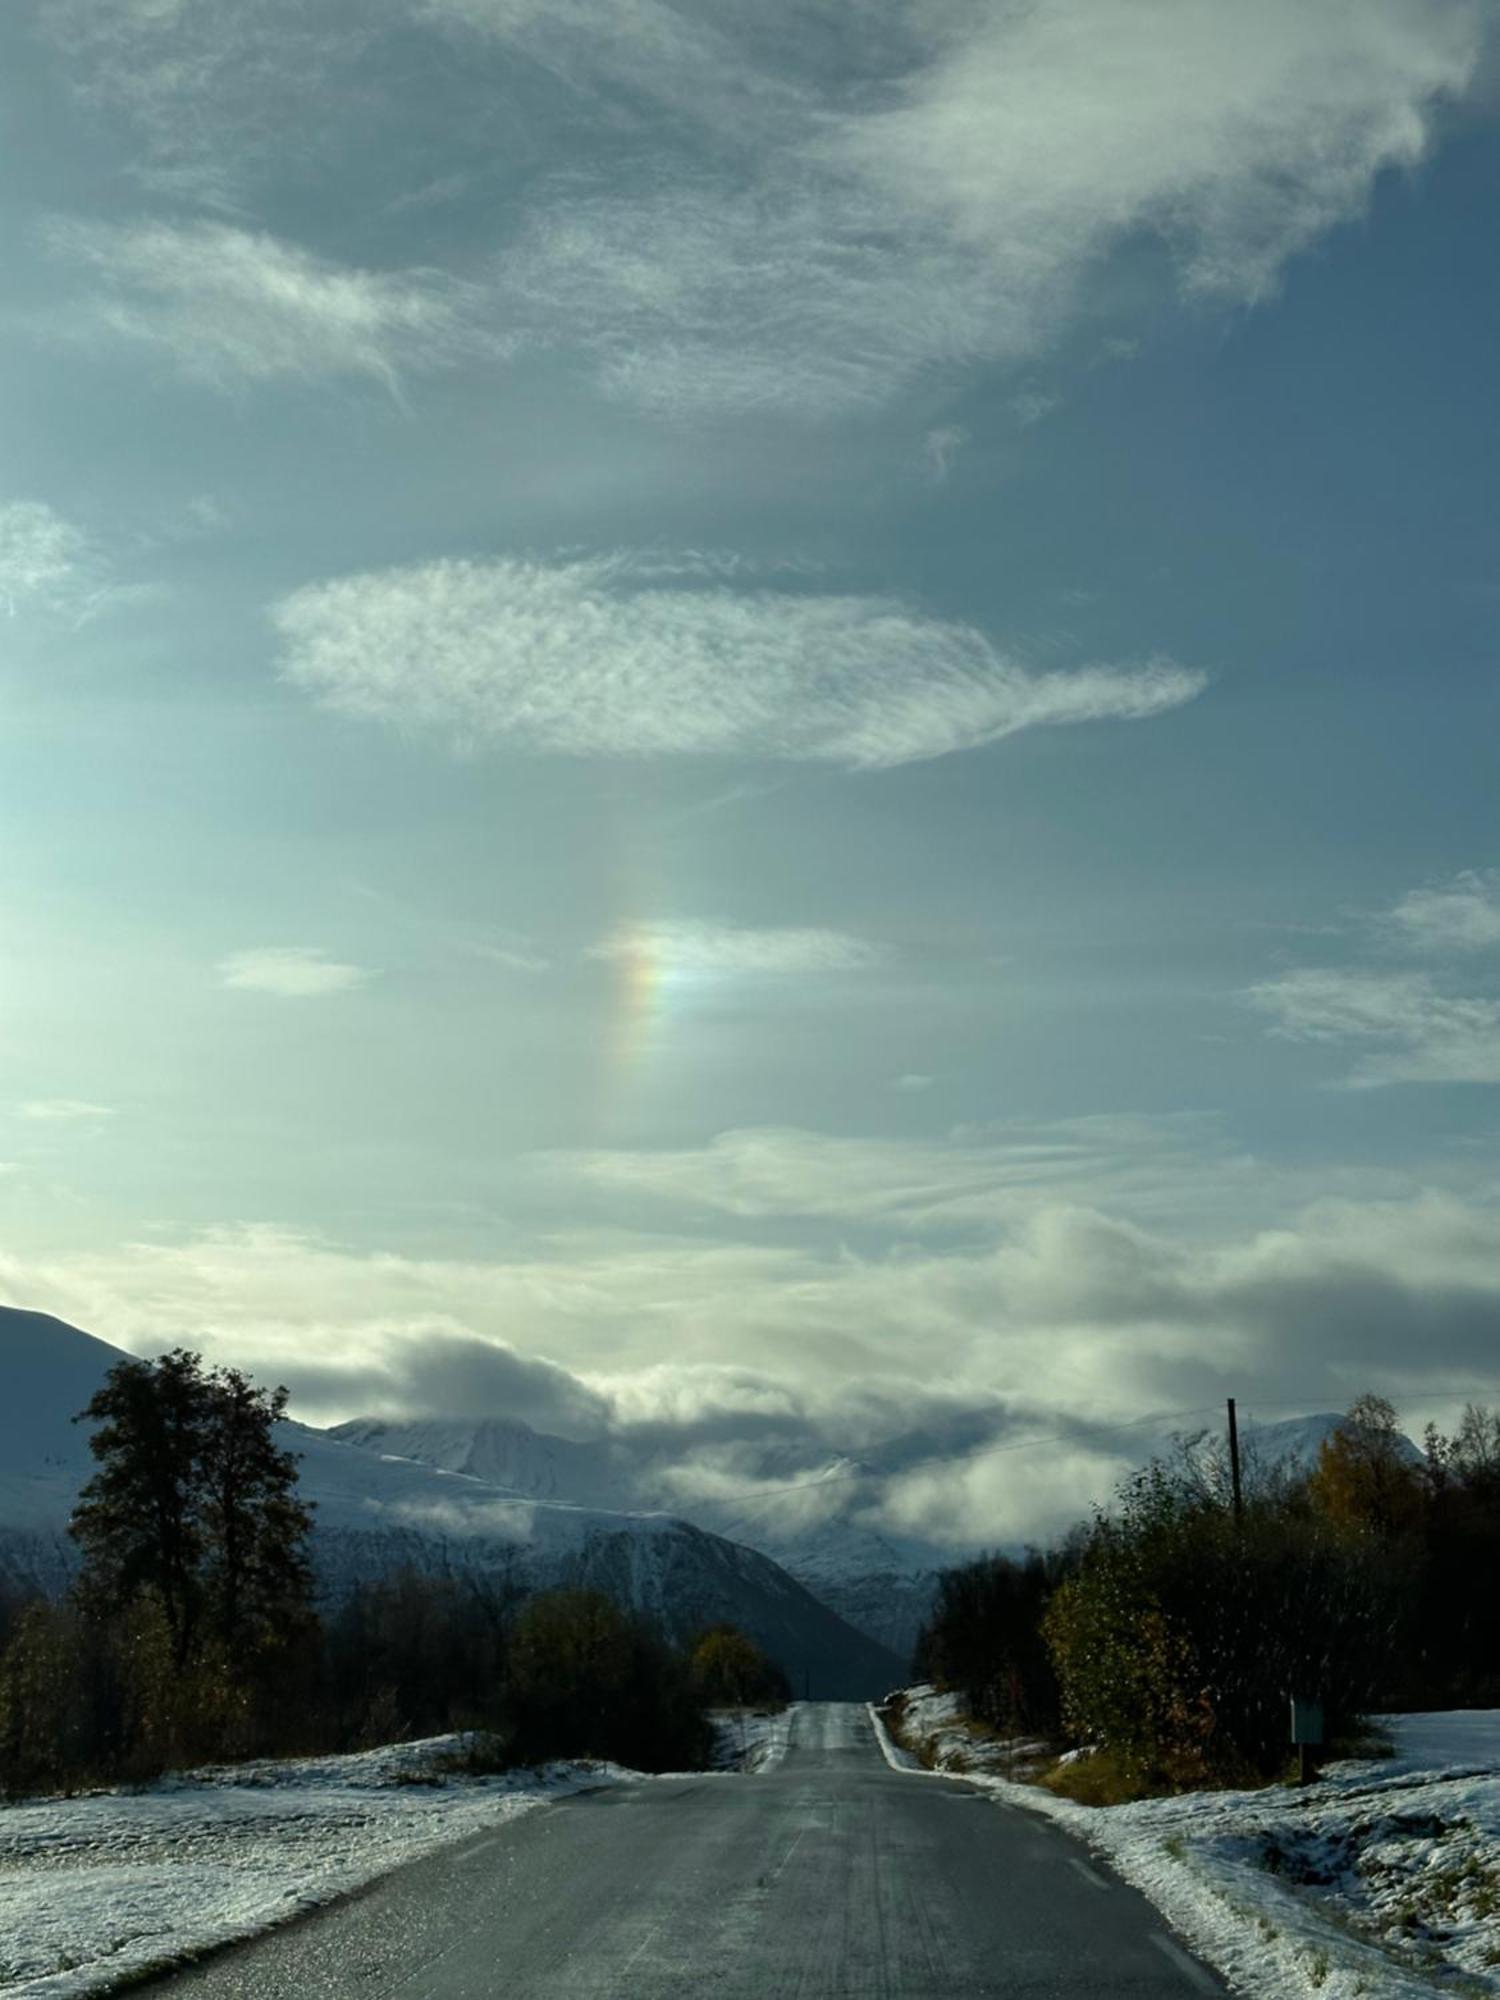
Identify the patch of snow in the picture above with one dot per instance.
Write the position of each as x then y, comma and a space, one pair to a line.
935, 1727
103, 1887
751, 1740
896, 1755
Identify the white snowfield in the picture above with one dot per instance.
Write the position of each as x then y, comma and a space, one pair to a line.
98, 1888
1382, 1879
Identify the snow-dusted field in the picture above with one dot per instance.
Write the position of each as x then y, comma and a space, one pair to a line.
1382, 1879
94, 1889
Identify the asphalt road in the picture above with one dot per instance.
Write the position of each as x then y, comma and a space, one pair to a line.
828, 1877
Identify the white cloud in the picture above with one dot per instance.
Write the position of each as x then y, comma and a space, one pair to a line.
515, 955
1048, 1489
1416, 1033
65, 1110
1031, 406
689, 948
229, 305
968, 1180
42, 556
799, 206
1040, 135
294, 972
1066, 1317
1403, 1024
841, 243
912, 1081
940, 448
1459, 916
599, 656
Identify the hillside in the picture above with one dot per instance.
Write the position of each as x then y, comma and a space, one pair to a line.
807, 1520
376, 1514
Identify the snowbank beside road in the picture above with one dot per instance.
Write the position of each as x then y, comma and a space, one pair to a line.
1381, 1880
96, 1889
749, 1740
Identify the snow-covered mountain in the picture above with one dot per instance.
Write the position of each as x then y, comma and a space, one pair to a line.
377, 1512
1296, 1442
807, 1520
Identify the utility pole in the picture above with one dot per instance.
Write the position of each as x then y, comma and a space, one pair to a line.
1234, 1465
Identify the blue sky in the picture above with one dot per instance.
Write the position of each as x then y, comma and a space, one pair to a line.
800, 717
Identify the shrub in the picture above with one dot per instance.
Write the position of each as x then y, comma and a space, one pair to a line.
586, 1680
730, 1671
1183, 1633
984, 1641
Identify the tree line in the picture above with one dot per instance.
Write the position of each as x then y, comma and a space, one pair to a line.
191, 1633
1172, 1629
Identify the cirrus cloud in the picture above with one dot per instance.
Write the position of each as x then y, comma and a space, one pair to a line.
798, 206
841, 242
599, 656
1458, 916
40, 554
229, 304
291, 971
65, 1110
1413, 1032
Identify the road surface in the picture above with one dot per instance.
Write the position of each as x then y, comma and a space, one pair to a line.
828, 1877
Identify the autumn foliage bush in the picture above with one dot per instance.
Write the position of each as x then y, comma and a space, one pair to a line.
1182, 1634
1172, 1630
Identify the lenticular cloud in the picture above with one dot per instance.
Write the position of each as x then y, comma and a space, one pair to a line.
608, 657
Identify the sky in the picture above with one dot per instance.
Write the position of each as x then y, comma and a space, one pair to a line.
777, 725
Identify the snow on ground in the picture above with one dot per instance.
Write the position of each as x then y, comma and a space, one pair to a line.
1381, 1879
934, 1727
749, 1740
98, 1888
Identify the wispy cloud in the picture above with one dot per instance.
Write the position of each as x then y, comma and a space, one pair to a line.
50, 568
940, 448
1031, 406
965, 1180
293, 972
728, 948
1405, 1024
953, 210
1411, 1031
65, 1110
515, 954
593, 657
230, 305
785, 209
1459, 916
42, 556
